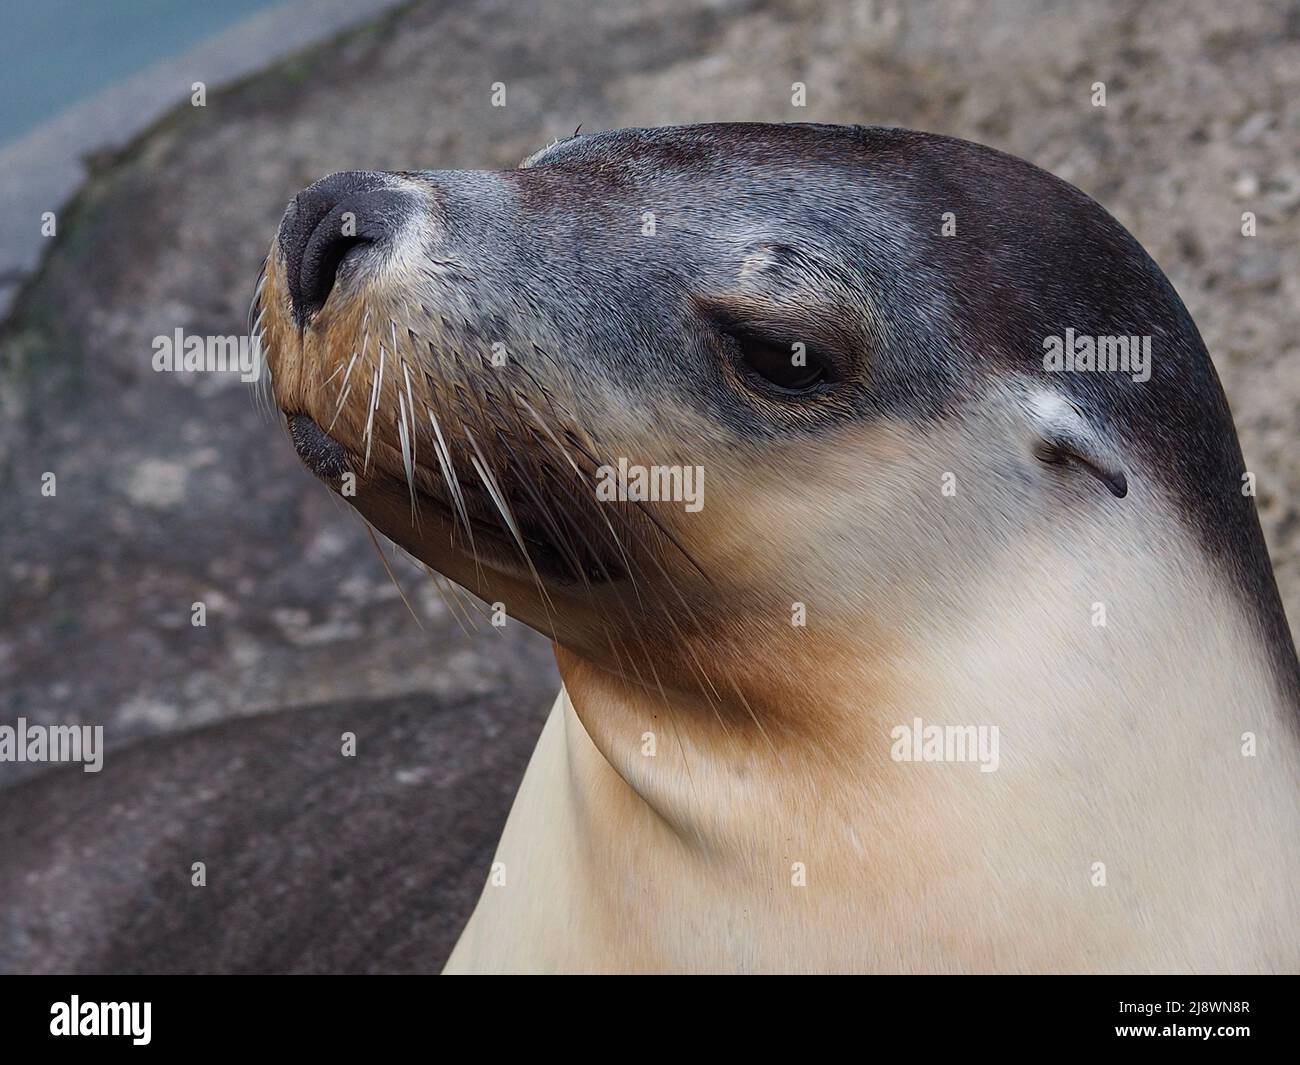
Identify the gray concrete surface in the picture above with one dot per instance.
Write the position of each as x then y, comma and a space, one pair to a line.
312, 862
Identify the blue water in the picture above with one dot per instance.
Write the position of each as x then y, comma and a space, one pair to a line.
54, 53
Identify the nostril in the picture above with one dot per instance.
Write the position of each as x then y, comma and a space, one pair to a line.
327, 221
325, 250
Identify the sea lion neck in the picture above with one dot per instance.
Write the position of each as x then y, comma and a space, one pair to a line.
1073, 669
642, 842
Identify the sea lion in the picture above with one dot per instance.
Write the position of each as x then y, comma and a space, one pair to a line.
971, 658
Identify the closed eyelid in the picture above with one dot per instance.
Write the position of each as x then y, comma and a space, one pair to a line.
818, 328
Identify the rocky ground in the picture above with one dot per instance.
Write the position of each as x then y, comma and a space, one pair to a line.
172, 489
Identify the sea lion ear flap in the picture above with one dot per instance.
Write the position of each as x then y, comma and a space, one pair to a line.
1063, 436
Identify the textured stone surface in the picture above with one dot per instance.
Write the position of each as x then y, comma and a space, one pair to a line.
312, 862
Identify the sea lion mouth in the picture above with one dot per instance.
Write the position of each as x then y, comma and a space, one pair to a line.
319, 451
559, 556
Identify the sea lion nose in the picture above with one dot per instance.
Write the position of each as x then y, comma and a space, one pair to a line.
328, 220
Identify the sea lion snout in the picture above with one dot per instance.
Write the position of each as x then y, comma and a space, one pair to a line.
325, 224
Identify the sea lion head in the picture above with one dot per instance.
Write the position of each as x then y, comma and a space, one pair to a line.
826, 345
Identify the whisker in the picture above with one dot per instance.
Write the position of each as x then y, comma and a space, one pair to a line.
370, 417
644, 510
404, 437
346, 389
452, 590
489, 482
453, 485
410, 405
370, 531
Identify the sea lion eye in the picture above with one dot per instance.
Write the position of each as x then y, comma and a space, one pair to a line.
791, 368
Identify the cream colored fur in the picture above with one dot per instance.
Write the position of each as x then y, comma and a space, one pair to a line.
1120, 744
